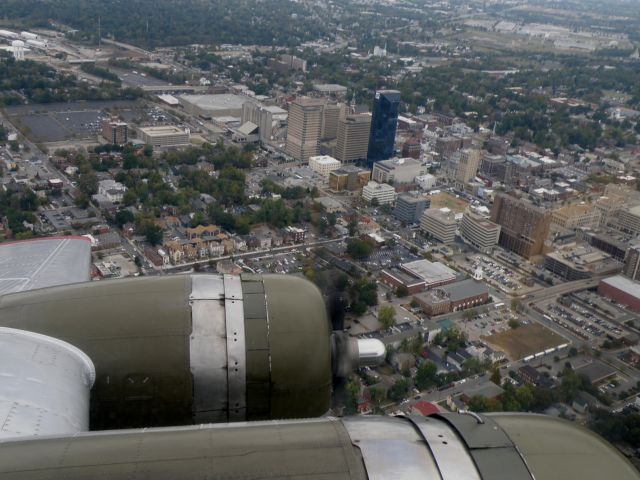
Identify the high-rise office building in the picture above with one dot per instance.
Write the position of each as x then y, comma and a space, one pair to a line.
468, 163
330, 118
384, 122
632, 263
524, 226
353, 137
305, 128
115, 131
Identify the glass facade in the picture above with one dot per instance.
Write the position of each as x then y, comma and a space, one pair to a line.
384, 122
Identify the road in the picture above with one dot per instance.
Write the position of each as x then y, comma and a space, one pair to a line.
252, 254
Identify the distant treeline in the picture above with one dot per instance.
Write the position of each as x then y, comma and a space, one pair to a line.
153, 23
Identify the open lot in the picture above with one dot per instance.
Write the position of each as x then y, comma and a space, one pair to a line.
58, 122
446, 200
524, 341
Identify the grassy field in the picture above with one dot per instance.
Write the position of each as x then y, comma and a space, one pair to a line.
446, 200
523, 341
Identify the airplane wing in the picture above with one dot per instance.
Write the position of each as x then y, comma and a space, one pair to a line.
44, 262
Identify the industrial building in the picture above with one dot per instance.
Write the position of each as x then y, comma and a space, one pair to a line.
450, 298
381, 192
397, 171
439, 223
524, 226
384, 123
115, 132
410, 207
350, 178
267, 118
164, 136
622, 290
418, 276
330, 89
305, 128
479, 231
213, 106
324, 164
353, 137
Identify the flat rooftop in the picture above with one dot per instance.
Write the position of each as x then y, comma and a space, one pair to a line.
44, 262
430, 272
162, 130
213, 102
624, 284
464, 289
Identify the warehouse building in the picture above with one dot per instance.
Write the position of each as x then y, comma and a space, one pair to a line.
418, 276
214, 106
164, 136
622, 290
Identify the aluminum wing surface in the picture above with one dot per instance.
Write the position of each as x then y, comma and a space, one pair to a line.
44, 262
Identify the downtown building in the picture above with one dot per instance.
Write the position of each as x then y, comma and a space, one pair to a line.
524, 226
115, 132
384, 123
353, 137
479, 231
439, 223
305, 128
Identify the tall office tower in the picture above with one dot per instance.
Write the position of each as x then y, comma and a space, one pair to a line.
467, 166
305, 128
353, 137
330, 117
115, 131
384, 123
524, 227
632, 263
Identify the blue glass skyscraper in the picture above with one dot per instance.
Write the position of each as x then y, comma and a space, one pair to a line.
384, 122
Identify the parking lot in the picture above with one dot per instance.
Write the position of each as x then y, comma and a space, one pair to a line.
286, 262
489, 321
495, 273
57, 122
388, 257
581, 322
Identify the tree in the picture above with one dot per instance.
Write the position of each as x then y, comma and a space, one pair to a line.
402, 291
426, 375
496, 377
353, 394
516, 305
359, 249
387, 316
399, 389
513, 323
152, 232
124, 216
469, 314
